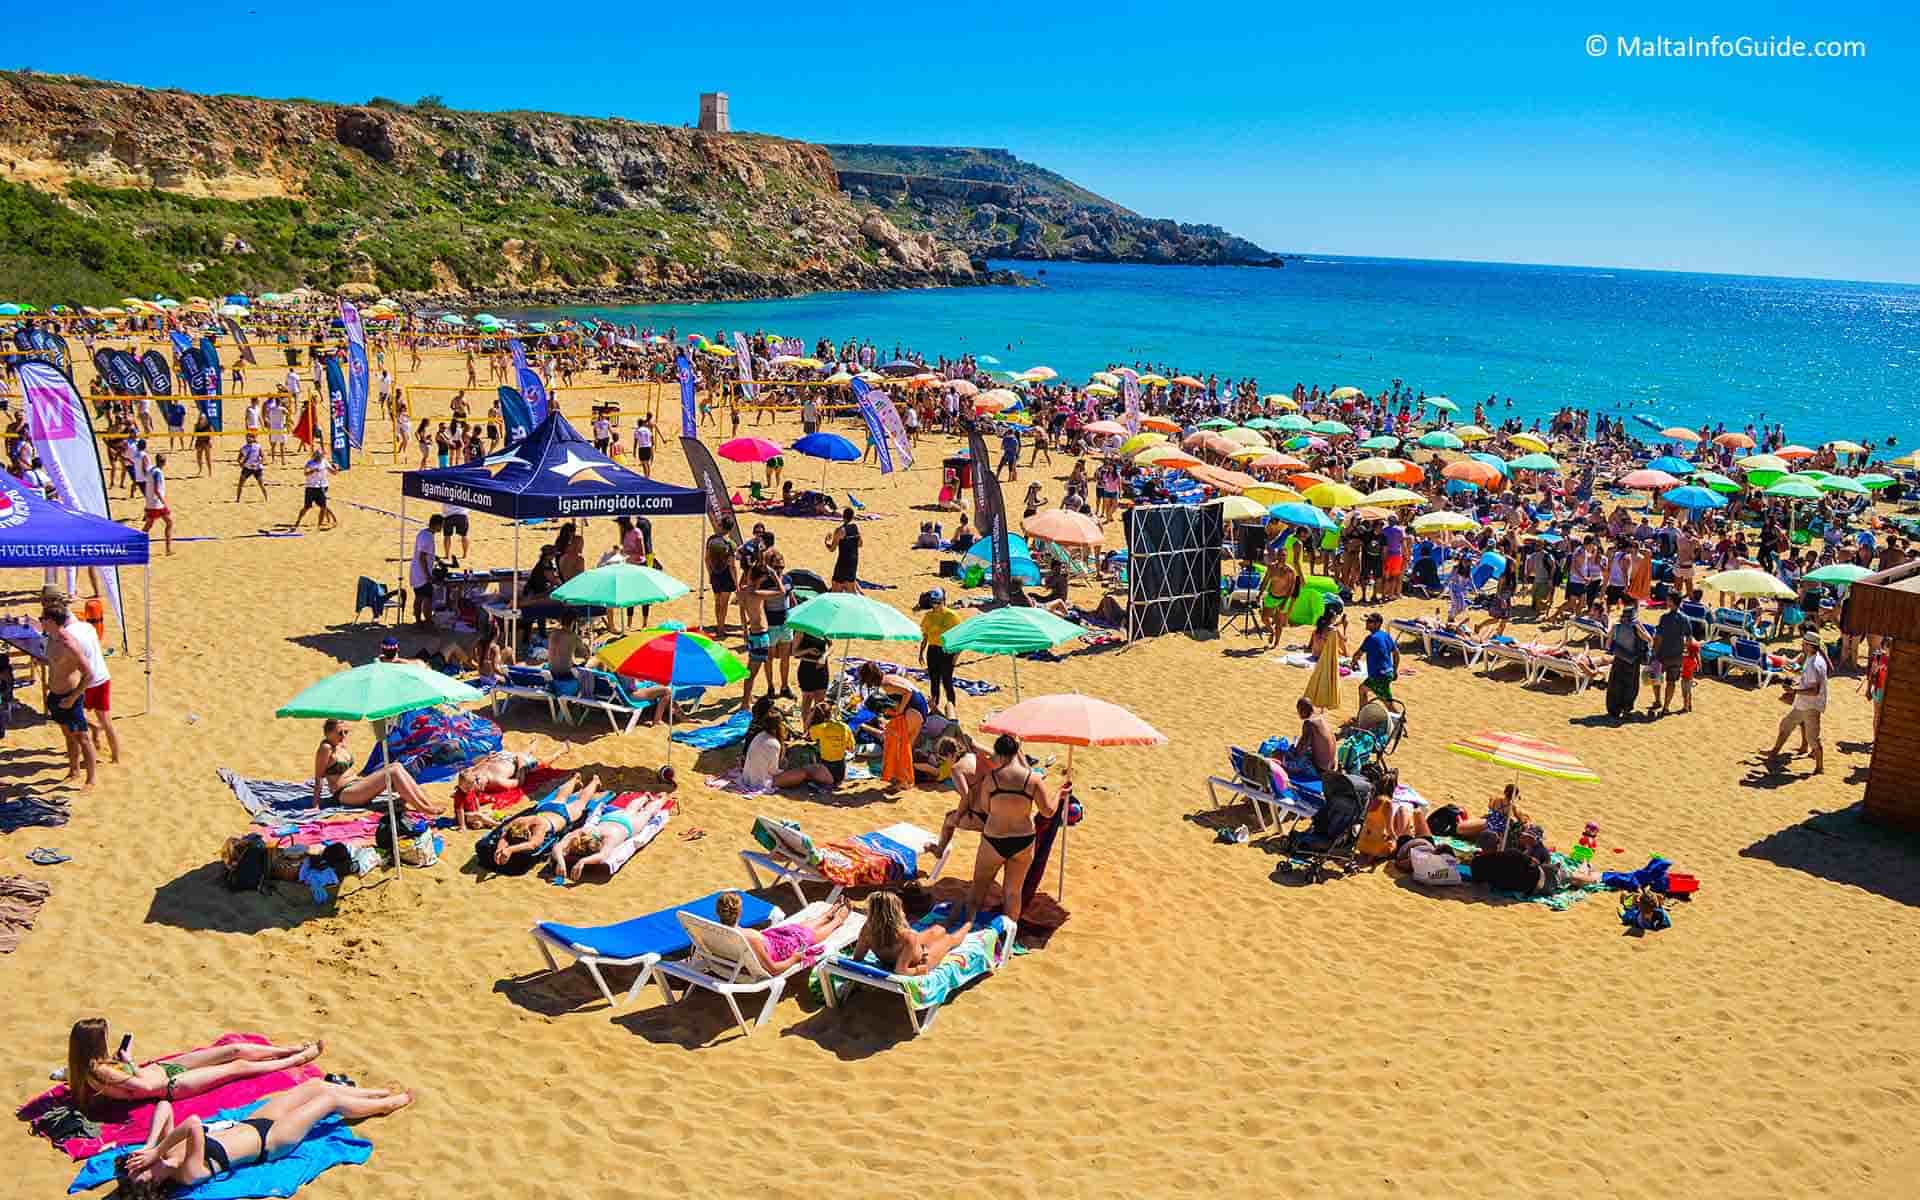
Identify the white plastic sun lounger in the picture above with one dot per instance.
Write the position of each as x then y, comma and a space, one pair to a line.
722, 961
642, 942
839, 973
791, 863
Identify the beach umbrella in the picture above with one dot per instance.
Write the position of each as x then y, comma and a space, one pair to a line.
840, 377
1160, 423
1440, 439
1793, 453
673, 659
1139, 442
620, 585
1716, 481
1304, 515
995, 398
748, 450
375, 692
1307, 479
1241, 508
1187, 381
1813, 473
1394, 497
1165, 456
1523, 754
1270, 495
1442, 403
1528, 441
1840, 483
1381, 441
1042, 373
1072, 720
1283, 403
1443, 521
1333, 495
1535, 462
1010, 632
1346, 393
1220, 444
1646, 479
1107, 429
1377, 466
1280, 460
1845, 447
1738, 441
1792, 488
445, 319
1243, 436
1067, 528
828, 448
1292, 423
1748, 582
1214, 422
1493, 460
1472, 471
1873, 481
964, 387
1671, 465
1101, 390
9, 310
1693, 498
1106, 377
1470, 433
1840, 574
850, 616
1247, 454
1151, 380
1677, 434
1331, 428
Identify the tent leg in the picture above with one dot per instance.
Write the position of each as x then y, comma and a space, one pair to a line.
147, 589
406, 573
393, 818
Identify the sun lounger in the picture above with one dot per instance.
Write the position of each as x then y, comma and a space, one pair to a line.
524, 683
722, 961
1507, 654
1565, 666
1588, 628
1253, 781
981, 953
1417, 630
1470, 651
1738, 623
793, 858
1749, 656
640, 942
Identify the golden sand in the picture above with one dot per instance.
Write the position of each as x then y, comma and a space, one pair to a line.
1198, 1025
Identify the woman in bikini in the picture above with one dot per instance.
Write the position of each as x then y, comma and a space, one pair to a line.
900, 947
786, 944
333, 776
537, 832
500, 771
908, 713
956, 760
178, 1156
93, 1074
1008, 792
604, 830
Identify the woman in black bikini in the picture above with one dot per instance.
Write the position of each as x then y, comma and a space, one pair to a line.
333, 776
1008, 792
189, 1153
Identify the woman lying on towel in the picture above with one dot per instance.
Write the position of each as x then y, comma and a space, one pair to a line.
784, 945
605, 830
526, 837
900, 947
333, 777
192, 1152
93, 1074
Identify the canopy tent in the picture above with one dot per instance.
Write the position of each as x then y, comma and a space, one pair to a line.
36, 532
552, 472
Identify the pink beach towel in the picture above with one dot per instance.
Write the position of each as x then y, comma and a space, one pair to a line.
124, 1124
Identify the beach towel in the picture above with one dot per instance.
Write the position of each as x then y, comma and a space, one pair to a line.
864, 860
271, 800
507, 798
434, 743
357, 829
648, 830
20, 901
329, 1145
971, 959
1559, 901
717, 735
28, 812
126, 1123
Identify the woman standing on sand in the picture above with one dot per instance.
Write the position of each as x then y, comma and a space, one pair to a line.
1328, 645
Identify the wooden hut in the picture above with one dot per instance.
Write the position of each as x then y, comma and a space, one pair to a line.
1888, 605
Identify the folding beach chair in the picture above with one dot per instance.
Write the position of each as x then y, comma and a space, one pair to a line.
1253, 781
791, 861
640, 942
1751, 657
722, 961
373, 595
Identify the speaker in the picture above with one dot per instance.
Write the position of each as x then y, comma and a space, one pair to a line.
1251, 541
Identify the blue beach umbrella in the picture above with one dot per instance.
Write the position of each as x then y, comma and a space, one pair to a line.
1671, 465
1493, 460
1693, 498
827, 447
1305, 515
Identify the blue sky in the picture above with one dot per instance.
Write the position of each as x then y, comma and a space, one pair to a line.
1392, 129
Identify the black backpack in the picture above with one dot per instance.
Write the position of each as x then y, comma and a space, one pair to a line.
249, 870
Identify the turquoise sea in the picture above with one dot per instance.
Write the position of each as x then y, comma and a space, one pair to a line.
1829, 359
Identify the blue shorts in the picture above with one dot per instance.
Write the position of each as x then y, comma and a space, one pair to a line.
779, 634
70, 717
757, 644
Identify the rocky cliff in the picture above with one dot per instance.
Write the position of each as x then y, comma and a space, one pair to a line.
106, 189
994, 205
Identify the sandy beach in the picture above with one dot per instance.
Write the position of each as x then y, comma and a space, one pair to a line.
1196, 1026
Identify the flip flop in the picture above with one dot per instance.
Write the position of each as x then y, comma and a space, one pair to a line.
693, 835
46, 857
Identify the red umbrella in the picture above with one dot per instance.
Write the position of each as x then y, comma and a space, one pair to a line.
1070, 720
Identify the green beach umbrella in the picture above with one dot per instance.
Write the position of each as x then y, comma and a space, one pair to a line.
1011, 631
1873, 481
1262, 423
1535, 462
1381, 441
838, 615
377, 691
1840, 483
1443, 404
1292, 423
1331, 428
1716, 481
1764, 477
1215, 423
1813, 473
1440, 439
1840, 573
1793, 489
620, 585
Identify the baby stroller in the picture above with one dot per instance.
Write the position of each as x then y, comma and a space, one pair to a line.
1327, 846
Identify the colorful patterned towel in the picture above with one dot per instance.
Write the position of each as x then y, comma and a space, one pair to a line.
328, 1145
500, 801
974, 957
127, 1123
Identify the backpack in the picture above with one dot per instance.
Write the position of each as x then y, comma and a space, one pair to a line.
246, 866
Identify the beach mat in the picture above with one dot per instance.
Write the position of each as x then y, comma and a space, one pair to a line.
717, 735
329, 1145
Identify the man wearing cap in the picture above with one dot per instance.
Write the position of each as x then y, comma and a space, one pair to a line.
1383, 658
1808, 696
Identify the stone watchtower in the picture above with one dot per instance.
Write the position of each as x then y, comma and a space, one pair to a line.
713, 112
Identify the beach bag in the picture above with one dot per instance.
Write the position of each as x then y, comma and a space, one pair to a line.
247, 864
1431, 867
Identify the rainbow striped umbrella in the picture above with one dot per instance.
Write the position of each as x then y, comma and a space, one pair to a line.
673, 657
1523, 753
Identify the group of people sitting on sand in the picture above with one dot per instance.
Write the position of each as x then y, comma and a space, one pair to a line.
179, 1154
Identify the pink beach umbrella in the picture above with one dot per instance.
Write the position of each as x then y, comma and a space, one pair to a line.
1071, 719
749, 450
1647, 479
1107, 429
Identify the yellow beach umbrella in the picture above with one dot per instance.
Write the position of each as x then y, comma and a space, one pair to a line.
1443, 522
1846, 447
1240, 508
1333, 495
1394, 497
1747, 582
1345, 393
1471, 433
1249, 453
839, 377
1377, 466
1278, 401
1272, 494
1106, 377
1141, 441
1101, 389
1245, 436
1529, 441
1152, 380
1165, 456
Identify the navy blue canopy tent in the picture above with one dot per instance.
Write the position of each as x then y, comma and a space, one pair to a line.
552, 472
37, 532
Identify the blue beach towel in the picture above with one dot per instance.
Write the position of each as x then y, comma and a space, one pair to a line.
330, 1144
721, 733
657, 932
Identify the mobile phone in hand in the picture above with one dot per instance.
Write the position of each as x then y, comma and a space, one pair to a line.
126, 1048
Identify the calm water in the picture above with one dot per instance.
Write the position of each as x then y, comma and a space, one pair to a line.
1831, 360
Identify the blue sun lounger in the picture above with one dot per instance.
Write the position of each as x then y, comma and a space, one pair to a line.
640, 941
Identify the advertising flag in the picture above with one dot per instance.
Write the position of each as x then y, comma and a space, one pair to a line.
513, 411
240, 340
706, 477
1131, 392
689, 411
337, 405
743, 358
356, 373
990, 516
62, 433
532, 388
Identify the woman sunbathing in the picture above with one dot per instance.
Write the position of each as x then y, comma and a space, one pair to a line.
333, 775
93, 1074
605, 830
784, 945
900, 947
191, 1152
532, 834
501, 771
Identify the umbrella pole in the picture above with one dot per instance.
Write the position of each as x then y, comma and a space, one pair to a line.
1060, 888
388, 794
700, 597
1016, 680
